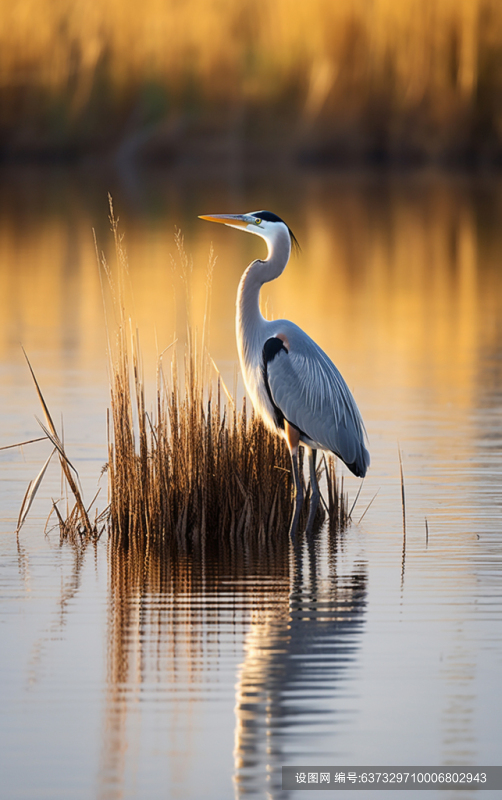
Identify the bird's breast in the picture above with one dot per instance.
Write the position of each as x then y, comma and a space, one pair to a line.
253, 368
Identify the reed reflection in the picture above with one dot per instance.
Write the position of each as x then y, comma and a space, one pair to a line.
168, 606
297, 654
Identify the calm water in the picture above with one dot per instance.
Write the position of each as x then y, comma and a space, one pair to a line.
200, 679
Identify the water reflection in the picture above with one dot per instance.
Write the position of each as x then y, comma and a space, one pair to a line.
168, 609
171, 614
398, 280
296, 656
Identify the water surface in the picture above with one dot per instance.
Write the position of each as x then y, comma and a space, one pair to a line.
201, 676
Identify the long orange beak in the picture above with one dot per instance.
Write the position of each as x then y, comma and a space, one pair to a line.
234, 220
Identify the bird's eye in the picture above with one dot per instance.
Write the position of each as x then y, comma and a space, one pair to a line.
257, 221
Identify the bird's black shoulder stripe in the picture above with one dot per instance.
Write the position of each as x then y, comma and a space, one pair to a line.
270, 349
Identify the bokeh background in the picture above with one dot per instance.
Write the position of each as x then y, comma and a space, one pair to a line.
375, 80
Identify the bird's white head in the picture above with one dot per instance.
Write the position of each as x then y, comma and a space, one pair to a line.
262, 223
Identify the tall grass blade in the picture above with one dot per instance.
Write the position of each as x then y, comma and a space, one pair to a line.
58, 444
21, 444
355, 500
31, 491
66, 466
403, 497
368, 507
47, 415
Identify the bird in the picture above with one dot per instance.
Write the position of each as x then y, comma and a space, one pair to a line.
293, 385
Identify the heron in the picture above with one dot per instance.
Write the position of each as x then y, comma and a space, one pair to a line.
293, 385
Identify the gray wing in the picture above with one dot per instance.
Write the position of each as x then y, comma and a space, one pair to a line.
310, 392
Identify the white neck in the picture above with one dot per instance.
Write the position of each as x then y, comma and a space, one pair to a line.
250, 322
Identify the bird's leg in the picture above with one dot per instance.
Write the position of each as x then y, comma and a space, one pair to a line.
298, 495
315, 495
293, 439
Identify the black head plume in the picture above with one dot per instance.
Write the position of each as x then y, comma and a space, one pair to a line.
269, 216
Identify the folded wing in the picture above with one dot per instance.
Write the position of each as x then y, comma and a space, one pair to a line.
311, 394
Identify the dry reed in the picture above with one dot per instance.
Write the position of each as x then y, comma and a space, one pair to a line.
195, 470
76, 524
409, 77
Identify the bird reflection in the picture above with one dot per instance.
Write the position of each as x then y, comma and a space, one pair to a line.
295, 660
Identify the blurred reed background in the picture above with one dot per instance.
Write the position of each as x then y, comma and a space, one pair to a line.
406, 81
